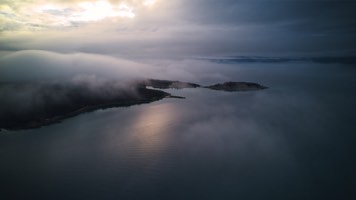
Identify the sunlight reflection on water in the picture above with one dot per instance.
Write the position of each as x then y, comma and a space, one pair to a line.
144, 139
151, 126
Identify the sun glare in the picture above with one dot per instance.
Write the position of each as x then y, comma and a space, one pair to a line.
61, 14
126, 11
87, 11
95, 11
149, 2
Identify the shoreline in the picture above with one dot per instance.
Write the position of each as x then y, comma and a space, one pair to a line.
144, 95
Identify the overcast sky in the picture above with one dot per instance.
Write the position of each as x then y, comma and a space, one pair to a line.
179, 28
62, 41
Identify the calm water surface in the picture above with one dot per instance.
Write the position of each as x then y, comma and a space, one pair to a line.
295, 140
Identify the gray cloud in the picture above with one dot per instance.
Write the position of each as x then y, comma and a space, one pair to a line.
44, 65
184, 28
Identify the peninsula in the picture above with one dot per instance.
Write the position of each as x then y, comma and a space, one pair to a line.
80, 99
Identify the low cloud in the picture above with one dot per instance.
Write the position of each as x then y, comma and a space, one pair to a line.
32, 102
45, 65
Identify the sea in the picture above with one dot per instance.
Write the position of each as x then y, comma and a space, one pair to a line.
294, 140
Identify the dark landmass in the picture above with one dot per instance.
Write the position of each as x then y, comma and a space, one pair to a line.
175, 97
237, 86
227, 86
166, 84
54, 113
330, 60
29, 106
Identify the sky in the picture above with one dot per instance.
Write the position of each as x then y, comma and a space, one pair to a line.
179, 28
57, 37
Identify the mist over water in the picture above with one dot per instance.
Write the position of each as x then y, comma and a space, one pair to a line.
294, 140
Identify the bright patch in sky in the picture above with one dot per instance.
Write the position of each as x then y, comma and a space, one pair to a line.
149, 2
95, 11
36, 16
125, 11
89, 11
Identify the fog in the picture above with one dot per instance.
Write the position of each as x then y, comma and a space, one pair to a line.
31, 101
34, 82
44, 66
37, 84
294, 140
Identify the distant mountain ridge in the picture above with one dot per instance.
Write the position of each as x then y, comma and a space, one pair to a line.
262, 59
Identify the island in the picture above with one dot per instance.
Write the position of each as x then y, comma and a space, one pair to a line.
237, 86
53, 103
167, 84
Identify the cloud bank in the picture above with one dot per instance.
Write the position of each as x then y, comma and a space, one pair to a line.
180, 28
